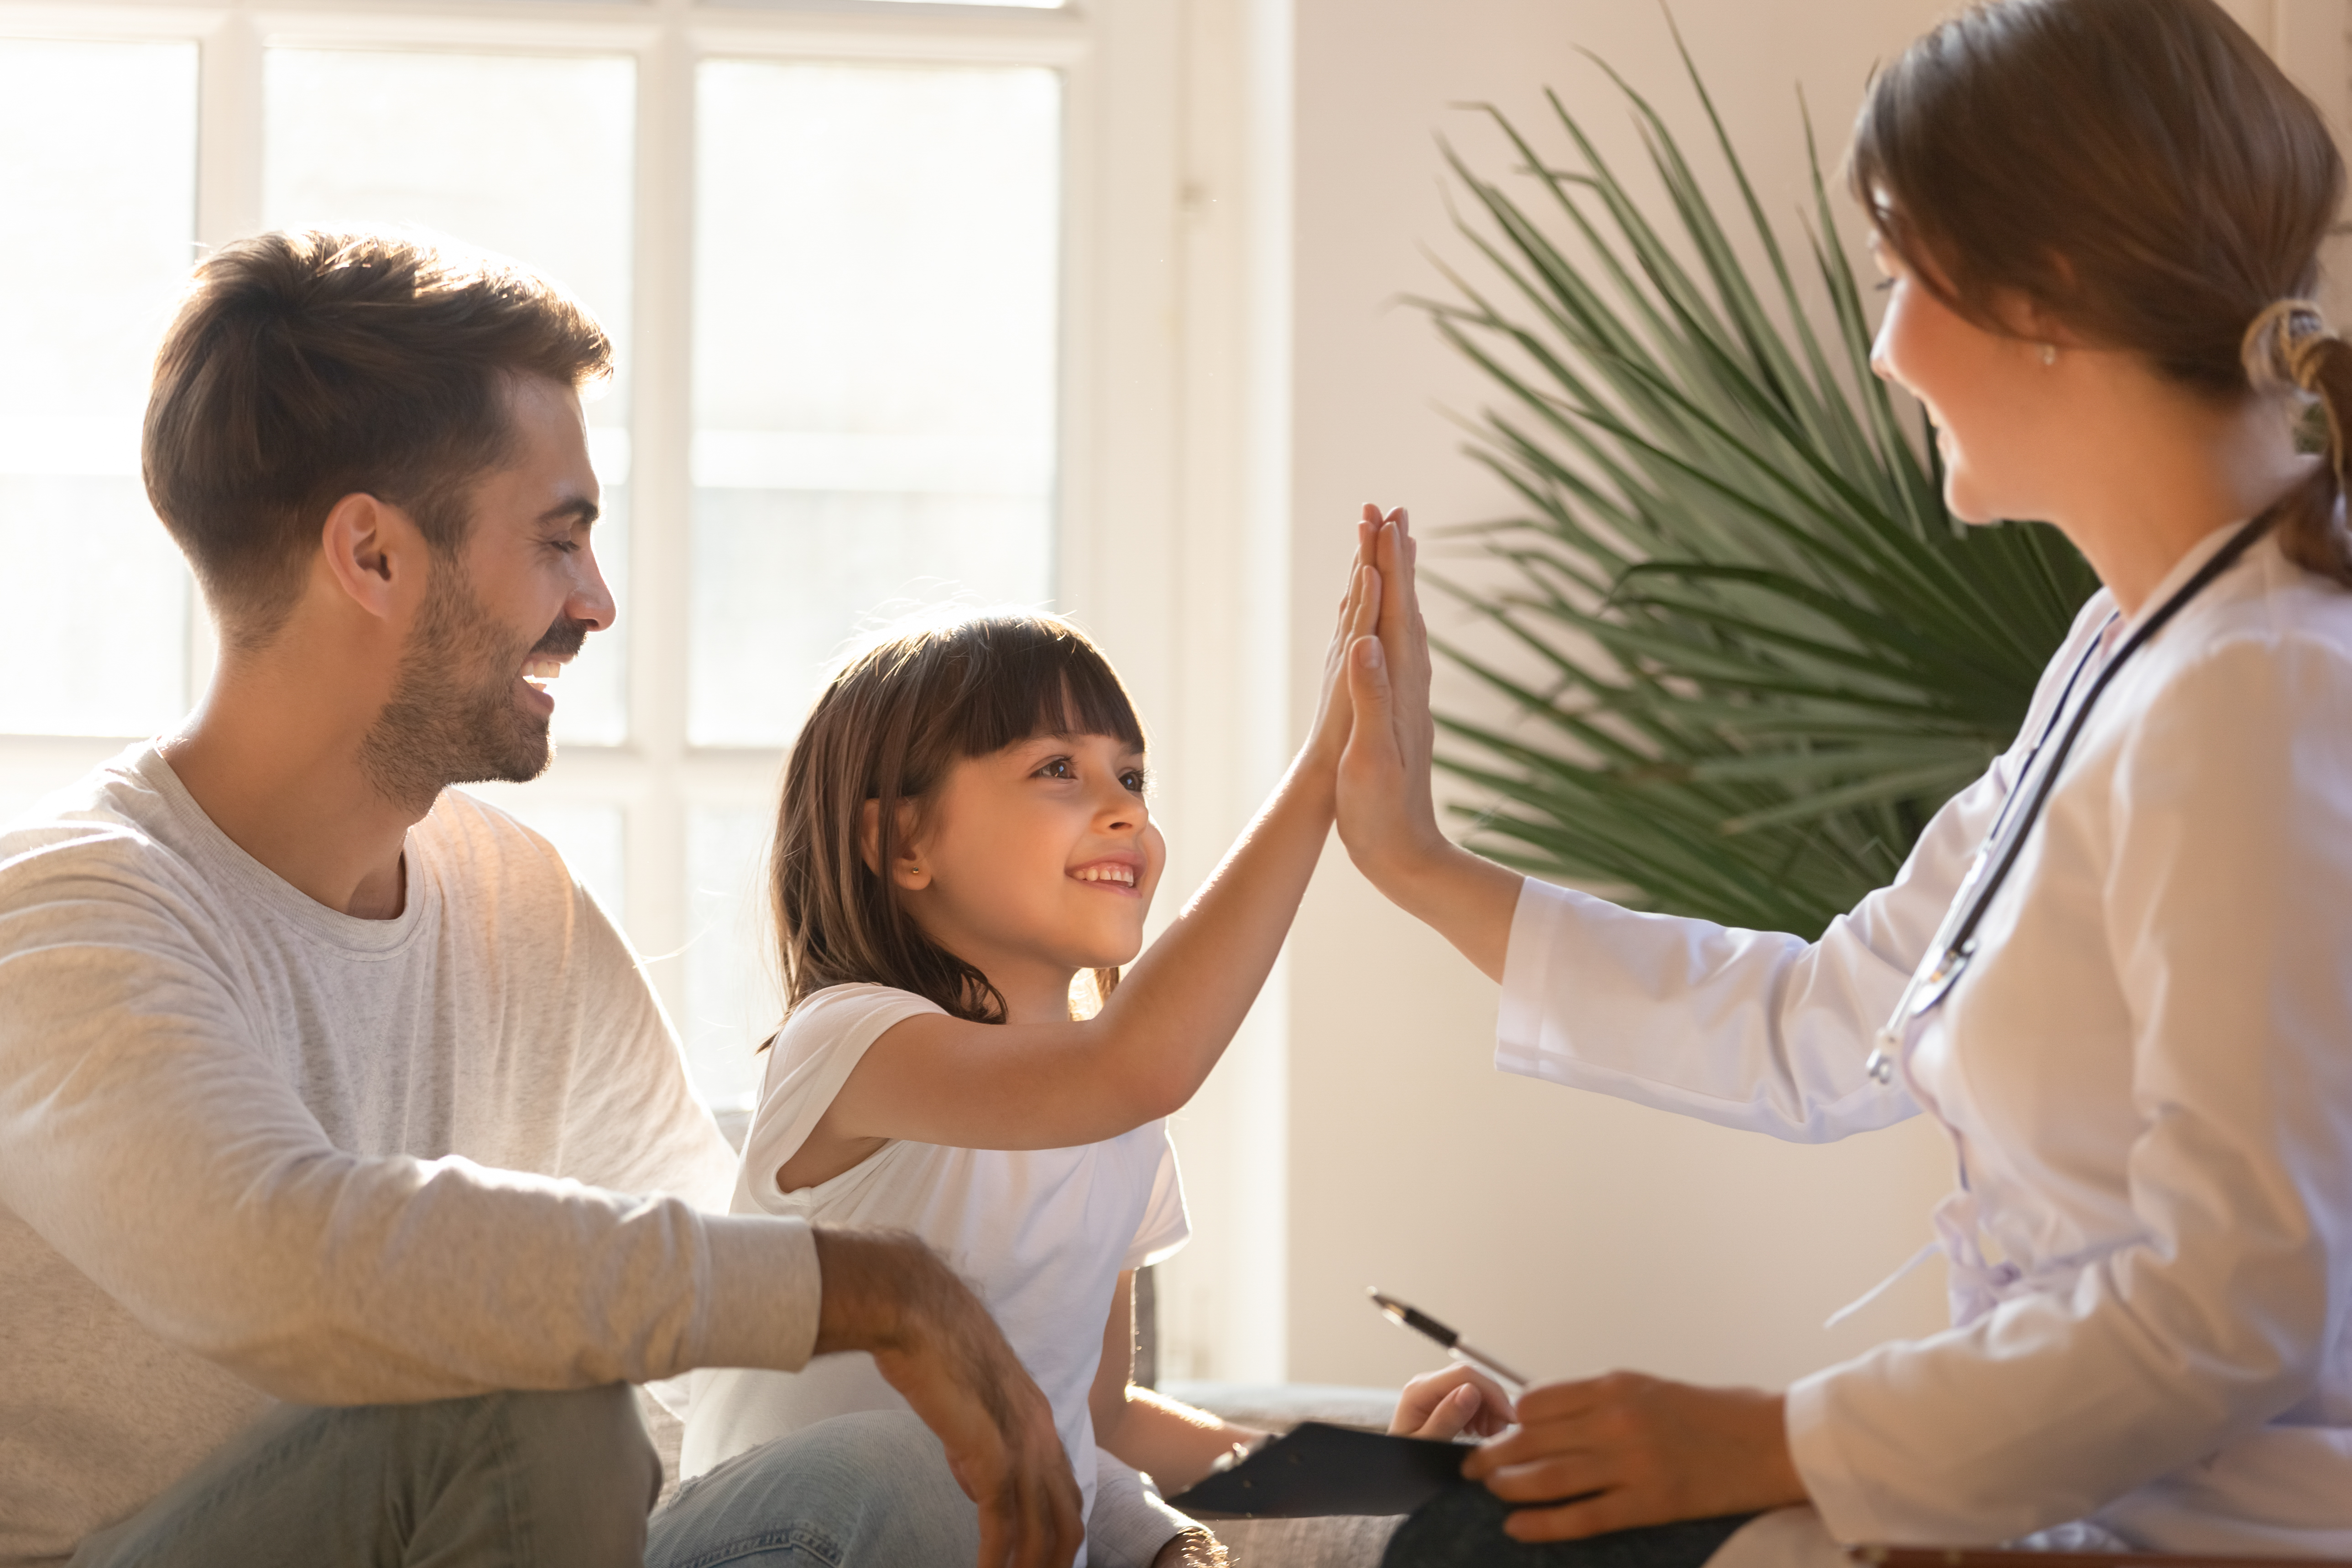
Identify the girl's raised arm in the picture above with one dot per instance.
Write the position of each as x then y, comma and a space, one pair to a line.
940, 1080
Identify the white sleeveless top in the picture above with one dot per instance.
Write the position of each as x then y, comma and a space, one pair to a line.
1041, 1234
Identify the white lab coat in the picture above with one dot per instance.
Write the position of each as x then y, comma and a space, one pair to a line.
2147, 1075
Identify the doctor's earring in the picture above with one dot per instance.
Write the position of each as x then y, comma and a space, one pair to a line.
2049, 355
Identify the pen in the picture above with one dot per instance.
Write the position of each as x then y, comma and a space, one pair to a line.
1420, 1322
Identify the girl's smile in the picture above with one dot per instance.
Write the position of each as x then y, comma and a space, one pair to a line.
1112, 874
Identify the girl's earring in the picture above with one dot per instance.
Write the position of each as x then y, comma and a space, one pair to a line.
2048, 354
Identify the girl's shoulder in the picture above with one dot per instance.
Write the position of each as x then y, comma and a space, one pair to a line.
838, 1016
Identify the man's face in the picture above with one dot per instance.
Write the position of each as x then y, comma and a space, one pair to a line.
501, 617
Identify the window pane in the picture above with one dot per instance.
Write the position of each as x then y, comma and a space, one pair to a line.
376, 139
731, 999
876, 297
97, 231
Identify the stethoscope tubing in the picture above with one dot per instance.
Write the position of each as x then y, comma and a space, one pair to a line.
2005, 842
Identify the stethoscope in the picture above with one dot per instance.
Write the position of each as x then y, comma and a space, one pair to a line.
1956, 941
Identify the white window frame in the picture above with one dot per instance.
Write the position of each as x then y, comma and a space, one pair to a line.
1116, 130
1172, 528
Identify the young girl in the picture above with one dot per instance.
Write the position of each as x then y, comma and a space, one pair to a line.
964, 833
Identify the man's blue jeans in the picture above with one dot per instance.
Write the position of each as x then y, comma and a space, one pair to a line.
869, 1490
543, 1481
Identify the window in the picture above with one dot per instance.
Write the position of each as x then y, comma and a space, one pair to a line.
850, 264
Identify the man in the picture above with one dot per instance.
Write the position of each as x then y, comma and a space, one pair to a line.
348, 1167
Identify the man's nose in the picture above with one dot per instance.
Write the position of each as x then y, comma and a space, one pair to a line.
591, 600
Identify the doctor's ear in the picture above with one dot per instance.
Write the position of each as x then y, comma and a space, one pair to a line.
907, 869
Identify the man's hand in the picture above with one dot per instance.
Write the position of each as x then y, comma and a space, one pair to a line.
889, 1294
1451, 1401
1632, 1450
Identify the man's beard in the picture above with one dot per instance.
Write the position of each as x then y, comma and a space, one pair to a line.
452, 717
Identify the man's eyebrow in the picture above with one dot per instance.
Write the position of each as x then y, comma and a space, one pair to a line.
583, 511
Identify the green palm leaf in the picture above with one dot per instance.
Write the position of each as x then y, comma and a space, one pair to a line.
1762, 653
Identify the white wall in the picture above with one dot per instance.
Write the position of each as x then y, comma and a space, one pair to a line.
1571, 1233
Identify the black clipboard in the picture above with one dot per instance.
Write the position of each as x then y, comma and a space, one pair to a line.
1316, 1469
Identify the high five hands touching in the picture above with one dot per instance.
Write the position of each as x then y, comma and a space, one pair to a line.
1388, 818
1599, 1454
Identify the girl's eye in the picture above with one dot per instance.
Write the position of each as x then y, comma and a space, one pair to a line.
1133, 779
1059, 768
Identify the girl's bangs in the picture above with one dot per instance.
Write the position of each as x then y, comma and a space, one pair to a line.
1025, 677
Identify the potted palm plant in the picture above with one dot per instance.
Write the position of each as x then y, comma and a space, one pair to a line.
1751, 651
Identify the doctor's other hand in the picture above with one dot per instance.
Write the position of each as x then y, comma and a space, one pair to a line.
1632, 1450
1450, 1400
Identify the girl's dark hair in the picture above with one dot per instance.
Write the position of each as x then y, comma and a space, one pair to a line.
2140, 170
885, 731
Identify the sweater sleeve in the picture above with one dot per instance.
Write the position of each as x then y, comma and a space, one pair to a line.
633, 1120
148, 1136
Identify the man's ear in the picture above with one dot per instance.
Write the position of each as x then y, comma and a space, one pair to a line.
907, 868
373, 553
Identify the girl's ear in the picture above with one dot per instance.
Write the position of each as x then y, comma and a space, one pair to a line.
907, 869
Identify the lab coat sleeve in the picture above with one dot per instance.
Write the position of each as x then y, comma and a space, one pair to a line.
1758, 1030
1750, 1030
2228, 911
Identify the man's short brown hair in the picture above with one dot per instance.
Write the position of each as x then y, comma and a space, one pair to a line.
303, 367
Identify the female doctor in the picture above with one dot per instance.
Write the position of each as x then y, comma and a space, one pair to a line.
2118, 966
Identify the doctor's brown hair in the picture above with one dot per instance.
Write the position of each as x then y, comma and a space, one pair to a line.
303, 367
885, 731
2139, 171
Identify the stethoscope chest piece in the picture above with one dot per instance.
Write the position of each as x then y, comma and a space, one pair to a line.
1919, 998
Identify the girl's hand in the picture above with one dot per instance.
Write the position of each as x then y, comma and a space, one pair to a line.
1388, 816
1451, 1401
1632, 1450
1359, 609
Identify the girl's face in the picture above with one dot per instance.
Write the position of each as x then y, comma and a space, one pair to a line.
1037, 860
1989, 396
